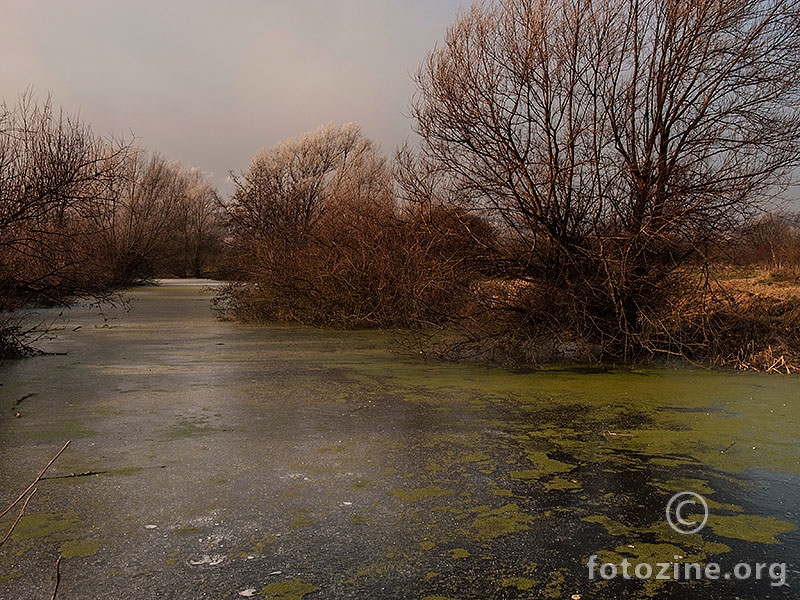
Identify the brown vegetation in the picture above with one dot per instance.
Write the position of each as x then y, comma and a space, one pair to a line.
318, 238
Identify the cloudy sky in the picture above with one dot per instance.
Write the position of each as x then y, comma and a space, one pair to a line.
209, 82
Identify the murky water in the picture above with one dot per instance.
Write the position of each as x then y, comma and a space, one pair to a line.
215, 460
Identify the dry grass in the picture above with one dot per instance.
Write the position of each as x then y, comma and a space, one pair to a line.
748, 320
761, 283
762, 317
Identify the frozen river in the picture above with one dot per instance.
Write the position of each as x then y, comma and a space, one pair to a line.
215, 460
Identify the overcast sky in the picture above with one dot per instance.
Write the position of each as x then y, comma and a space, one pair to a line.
210, 82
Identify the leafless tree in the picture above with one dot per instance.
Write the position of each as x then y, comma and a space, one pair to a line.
160, 219
197, 227
770, 240
52, 169
615, 140
81, 215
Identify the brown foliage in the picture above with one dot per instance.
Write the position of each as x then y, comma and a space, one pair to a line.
319, 239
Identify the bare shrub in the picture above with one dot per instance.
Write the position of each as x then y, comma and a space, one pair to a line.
52, 170
319, 239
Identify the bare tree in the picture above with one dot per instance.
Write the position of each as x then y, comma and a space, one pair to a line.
162, 218
615, 140
284, 203
771, 240
198, 227
81, 215
52, 170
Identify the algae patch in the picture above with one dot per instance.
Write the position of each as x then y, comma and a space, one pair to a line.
40, 526
187, 428
418, 494
294, 589
302, 518
79, 548
427, 545
562, 484
750, 528
521, 583
63, 529
492, 524
613, 527
187, 530
544, 466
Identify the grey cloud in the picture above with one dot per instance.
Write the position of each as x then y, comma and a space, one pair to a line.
209, 83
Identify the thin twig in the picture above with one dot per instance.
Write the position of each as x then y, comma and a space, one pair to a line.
35, 481
19, 518
615, 434
58, 577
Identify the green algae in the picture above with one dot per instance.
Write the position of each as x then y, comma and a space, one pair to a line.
749, 528
11, 576
459, 553
419, 494
498, 491
341, 447
614, 528
83, 548
187, 530
58, 429
528, 475
698, 486
361, 484
689, 415
491, 524
187, 428
294, 589
267, 539
302, 519
42, 526
475, 457
124, 472
668, 539
555, 585
523, 584
562, 484
544, 465
62, 529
